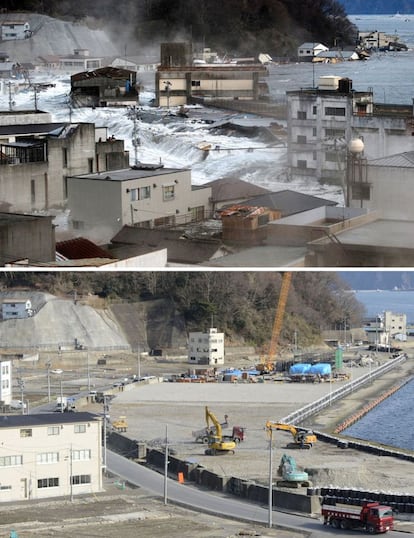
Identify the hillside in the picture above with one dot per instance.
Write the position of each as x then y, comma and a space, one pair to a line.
277, 27
382, 280
56, 37
378, 7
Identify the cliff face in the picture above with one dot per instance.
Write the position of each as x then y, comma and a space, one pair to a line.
378, 7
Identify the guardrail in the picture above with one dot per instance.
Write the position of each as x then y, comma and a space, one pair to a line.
300, 415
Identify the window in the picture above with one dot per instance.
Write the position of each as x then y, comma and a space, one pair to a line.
80, 479
314, 132
53, 430
78, 224
144, 193
335, 133
196, 83
81, 455
26, 432
334, 111
361, 191
302, 164
168, 192
33, 191
3, 488
47, 457
80, 428
11, 461
65, 157
315, 110
301, 139
48, 483
134, 195
90, 166
302, 115
334, 156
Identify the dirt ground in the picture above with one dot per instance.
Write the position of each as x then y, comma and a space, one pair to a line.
117, 512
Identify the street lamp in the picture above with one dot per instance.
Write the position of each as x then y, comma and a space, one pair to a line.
139, 362
20, 382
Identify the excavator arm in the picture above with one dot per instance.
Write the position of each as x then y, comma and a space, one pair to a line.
301, 439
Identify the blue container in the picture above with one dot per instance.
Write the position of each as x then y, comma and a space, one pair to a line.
299, 369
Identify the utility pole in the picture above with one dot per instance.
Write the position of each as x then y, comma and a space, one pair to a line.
166, 467
61, 397
20, 382
270, 498
88, 371
139, 362
71, 473
48, 381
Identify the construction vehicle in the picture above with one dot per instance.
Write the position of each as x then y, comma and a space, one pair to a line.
203, 435
267, 364
120, 425
292, 477
238, 434
216, 444
301, 438
372, 517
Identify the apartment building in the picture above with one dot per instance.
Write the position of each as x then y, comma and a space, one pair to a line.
206, 348
50, 455
322, 121
5, 382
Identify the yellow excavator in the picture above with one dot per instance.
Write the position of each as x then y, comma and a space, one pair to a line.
301, 439
216, 444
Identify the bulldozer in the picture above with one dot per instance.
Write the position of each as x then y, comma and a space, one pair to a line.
216, 444
120, 425
301, 439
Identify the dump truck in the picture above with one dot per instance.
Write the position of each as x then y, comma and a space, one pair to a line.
372, 517
203, 435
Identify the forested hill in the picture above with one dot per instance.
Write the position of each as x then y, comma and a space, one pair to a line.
378, 7
276, 27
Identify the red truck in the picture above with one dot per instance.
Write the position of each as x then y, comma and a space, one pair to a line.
371, 516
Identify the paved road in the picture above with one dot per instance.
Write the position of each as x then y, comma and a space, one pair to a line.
217, 504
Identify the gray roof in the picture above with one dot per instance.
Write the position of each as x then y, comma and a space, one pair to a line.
399, 160
262, 256
129, 174
309, 45
289, 202
45, 419
30, 128
227, 189
381, 234
179, 249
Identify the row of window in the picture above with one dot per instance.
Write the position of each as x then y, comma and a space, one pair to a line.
144, 193
45, 458
329, 135
54, 482
329, 111
5, 384
53, 430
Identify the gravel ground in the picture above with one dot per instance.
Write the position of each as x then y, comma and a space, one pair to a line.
151, 409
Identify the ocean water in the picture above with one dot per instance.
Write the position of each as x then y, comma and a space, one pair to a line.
376, 302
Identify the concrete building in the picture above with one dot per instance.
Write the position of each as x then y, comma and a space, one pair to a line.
16, 308
79, 61
376, 40
308, 51
178, 81
322, 121
395, 324
386, 327
206, 348
26, 237
107, 86
35, 160
5, 381
145, 196
50, 455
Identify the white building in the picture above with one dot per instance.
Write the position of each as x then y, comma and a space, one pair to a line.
206, 348
50, 455
15, 28
395, 324
386, 327
13, 308
308, 51
5, 381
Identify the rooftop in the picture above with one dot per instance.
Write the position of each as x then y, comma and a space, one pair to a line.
45, 419
289, 202
400, 160
129, 174
8, 218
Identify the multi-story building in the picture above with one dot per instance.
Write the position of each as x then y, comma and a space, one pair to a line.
14, 26
36, 159
50, 455
178, 80
395, 324
16, 308
146, 196
5, 381
322, 122
386, 327
206, 348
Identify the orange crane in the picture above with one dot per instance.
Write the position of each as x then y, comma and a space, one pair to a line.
267, 364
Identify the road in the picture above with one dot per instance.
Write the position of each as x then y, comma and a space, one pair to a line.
217, 504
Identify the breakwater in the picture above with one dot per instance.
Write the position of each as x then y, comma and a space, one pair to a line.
370, 406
